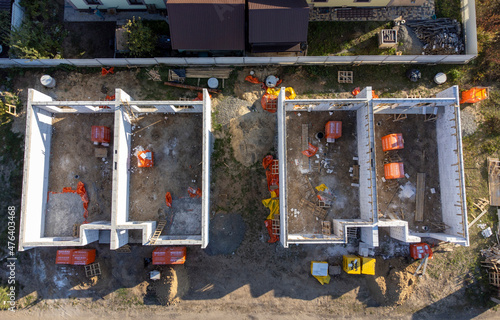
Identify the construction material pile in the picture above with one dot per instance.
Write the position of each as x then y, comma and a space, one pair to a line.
439, 36
492, 258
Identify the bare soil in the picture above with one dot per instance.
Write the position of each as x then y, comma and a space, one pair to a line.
73, 159
419, 155
259, 280
176, 143
330, 166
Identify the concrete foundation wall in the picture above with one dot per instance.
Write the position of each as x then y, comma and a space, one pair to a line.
282, 168
40, 111
453, 201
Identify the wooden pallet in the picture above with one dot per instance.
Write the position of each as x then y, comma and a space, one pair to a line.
124, 249
305, 136
158, 231
93, 270
310, 207
494, 181
326, 228
420, 198
307, 191
494, 278
345, 77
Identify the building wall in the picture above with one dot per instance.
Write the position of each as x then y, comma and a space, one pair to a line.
349, 3
118, 4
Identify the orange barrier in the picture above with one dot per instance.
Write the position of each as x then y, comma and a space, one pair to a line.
105, 71
356, 91
272, 237
252, 79
311, 151
82, 192
394, 170
333, 130
269, 102
393, 141
168, 199
169, 255
194, 193
474, 95
272, 174
145, 159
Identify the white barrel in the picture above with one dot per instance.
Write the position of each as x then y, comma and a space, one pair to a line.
48, 81
440, 78
213, 83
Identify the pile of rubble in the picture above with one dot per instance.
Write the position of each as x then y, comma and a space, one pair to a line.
439, 36
492, 263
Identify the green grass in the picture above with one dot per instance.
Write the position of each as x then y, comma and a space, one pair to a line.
343, 38
448, 9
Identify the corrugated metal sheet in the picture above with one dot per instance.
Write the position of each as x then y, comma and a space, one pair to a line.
207, 24
277, 21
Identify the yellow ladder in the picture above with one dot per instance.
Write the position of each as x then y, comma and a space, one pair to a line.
158, 231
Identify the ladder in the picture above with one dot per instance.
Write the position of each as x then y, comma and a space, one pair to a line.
158, 231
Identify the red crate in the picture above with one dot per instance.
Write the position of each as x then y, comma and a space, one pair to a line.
64, 256
169, 255
101, 134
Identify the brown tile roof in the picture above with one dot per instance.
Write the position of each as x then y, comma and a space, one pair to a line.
207, 24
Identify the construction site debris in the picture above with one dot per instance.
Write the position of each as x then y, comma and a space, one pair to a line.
82, 192
439, 36
194, 193
168, 199
145, 159
311, 150
189, 87
105, 71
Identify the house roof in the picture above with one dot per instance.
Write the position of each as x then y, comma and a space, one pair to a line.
277, 21
5, 4
207, 24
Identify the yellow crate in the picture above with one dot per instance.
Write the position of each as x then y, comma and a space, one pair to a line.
368, 265
352, 264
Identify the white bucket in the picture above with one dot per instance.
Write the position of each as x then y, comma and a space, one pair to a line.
213, 83
48, 81
440, 78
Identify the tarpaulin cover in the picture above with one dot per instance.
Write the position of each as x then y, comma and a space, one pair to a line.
194, 193
311, 151
168, 199
272, 237
169, 255
145, 159
82, 192
273, 204
474, 95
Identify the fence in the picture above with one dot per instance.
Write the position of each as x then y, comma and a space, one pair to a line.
468, 18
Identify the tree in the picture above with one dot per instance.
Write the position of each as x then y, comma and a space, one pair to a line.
141, 39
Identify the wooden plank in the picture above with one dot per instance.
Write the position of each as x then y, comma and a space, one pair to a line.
477, 218
419, 214
221, 73
494, 181
305, 137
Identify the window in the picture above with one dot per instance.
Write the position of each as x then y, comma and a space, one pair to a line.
135, 2
92, 2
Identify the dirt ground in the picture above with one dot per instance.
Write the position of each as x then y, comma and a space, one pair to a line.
419, 155
334, 173
257, 280
176, 143
72, 160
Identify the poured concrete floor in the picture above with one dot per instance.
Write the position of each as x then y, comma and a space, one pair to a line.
176, 143
72, 159
336, 176
419, 155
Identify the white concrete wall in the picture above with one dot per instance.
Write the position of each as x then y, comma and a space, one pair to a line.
453, 202
36, 169
207, 154
281, 113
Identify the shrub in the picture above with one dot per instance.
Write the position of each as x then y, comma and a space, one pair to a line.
141, 39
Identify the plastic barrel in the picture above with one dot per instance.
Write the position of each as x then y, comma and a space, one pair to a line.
48, 81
